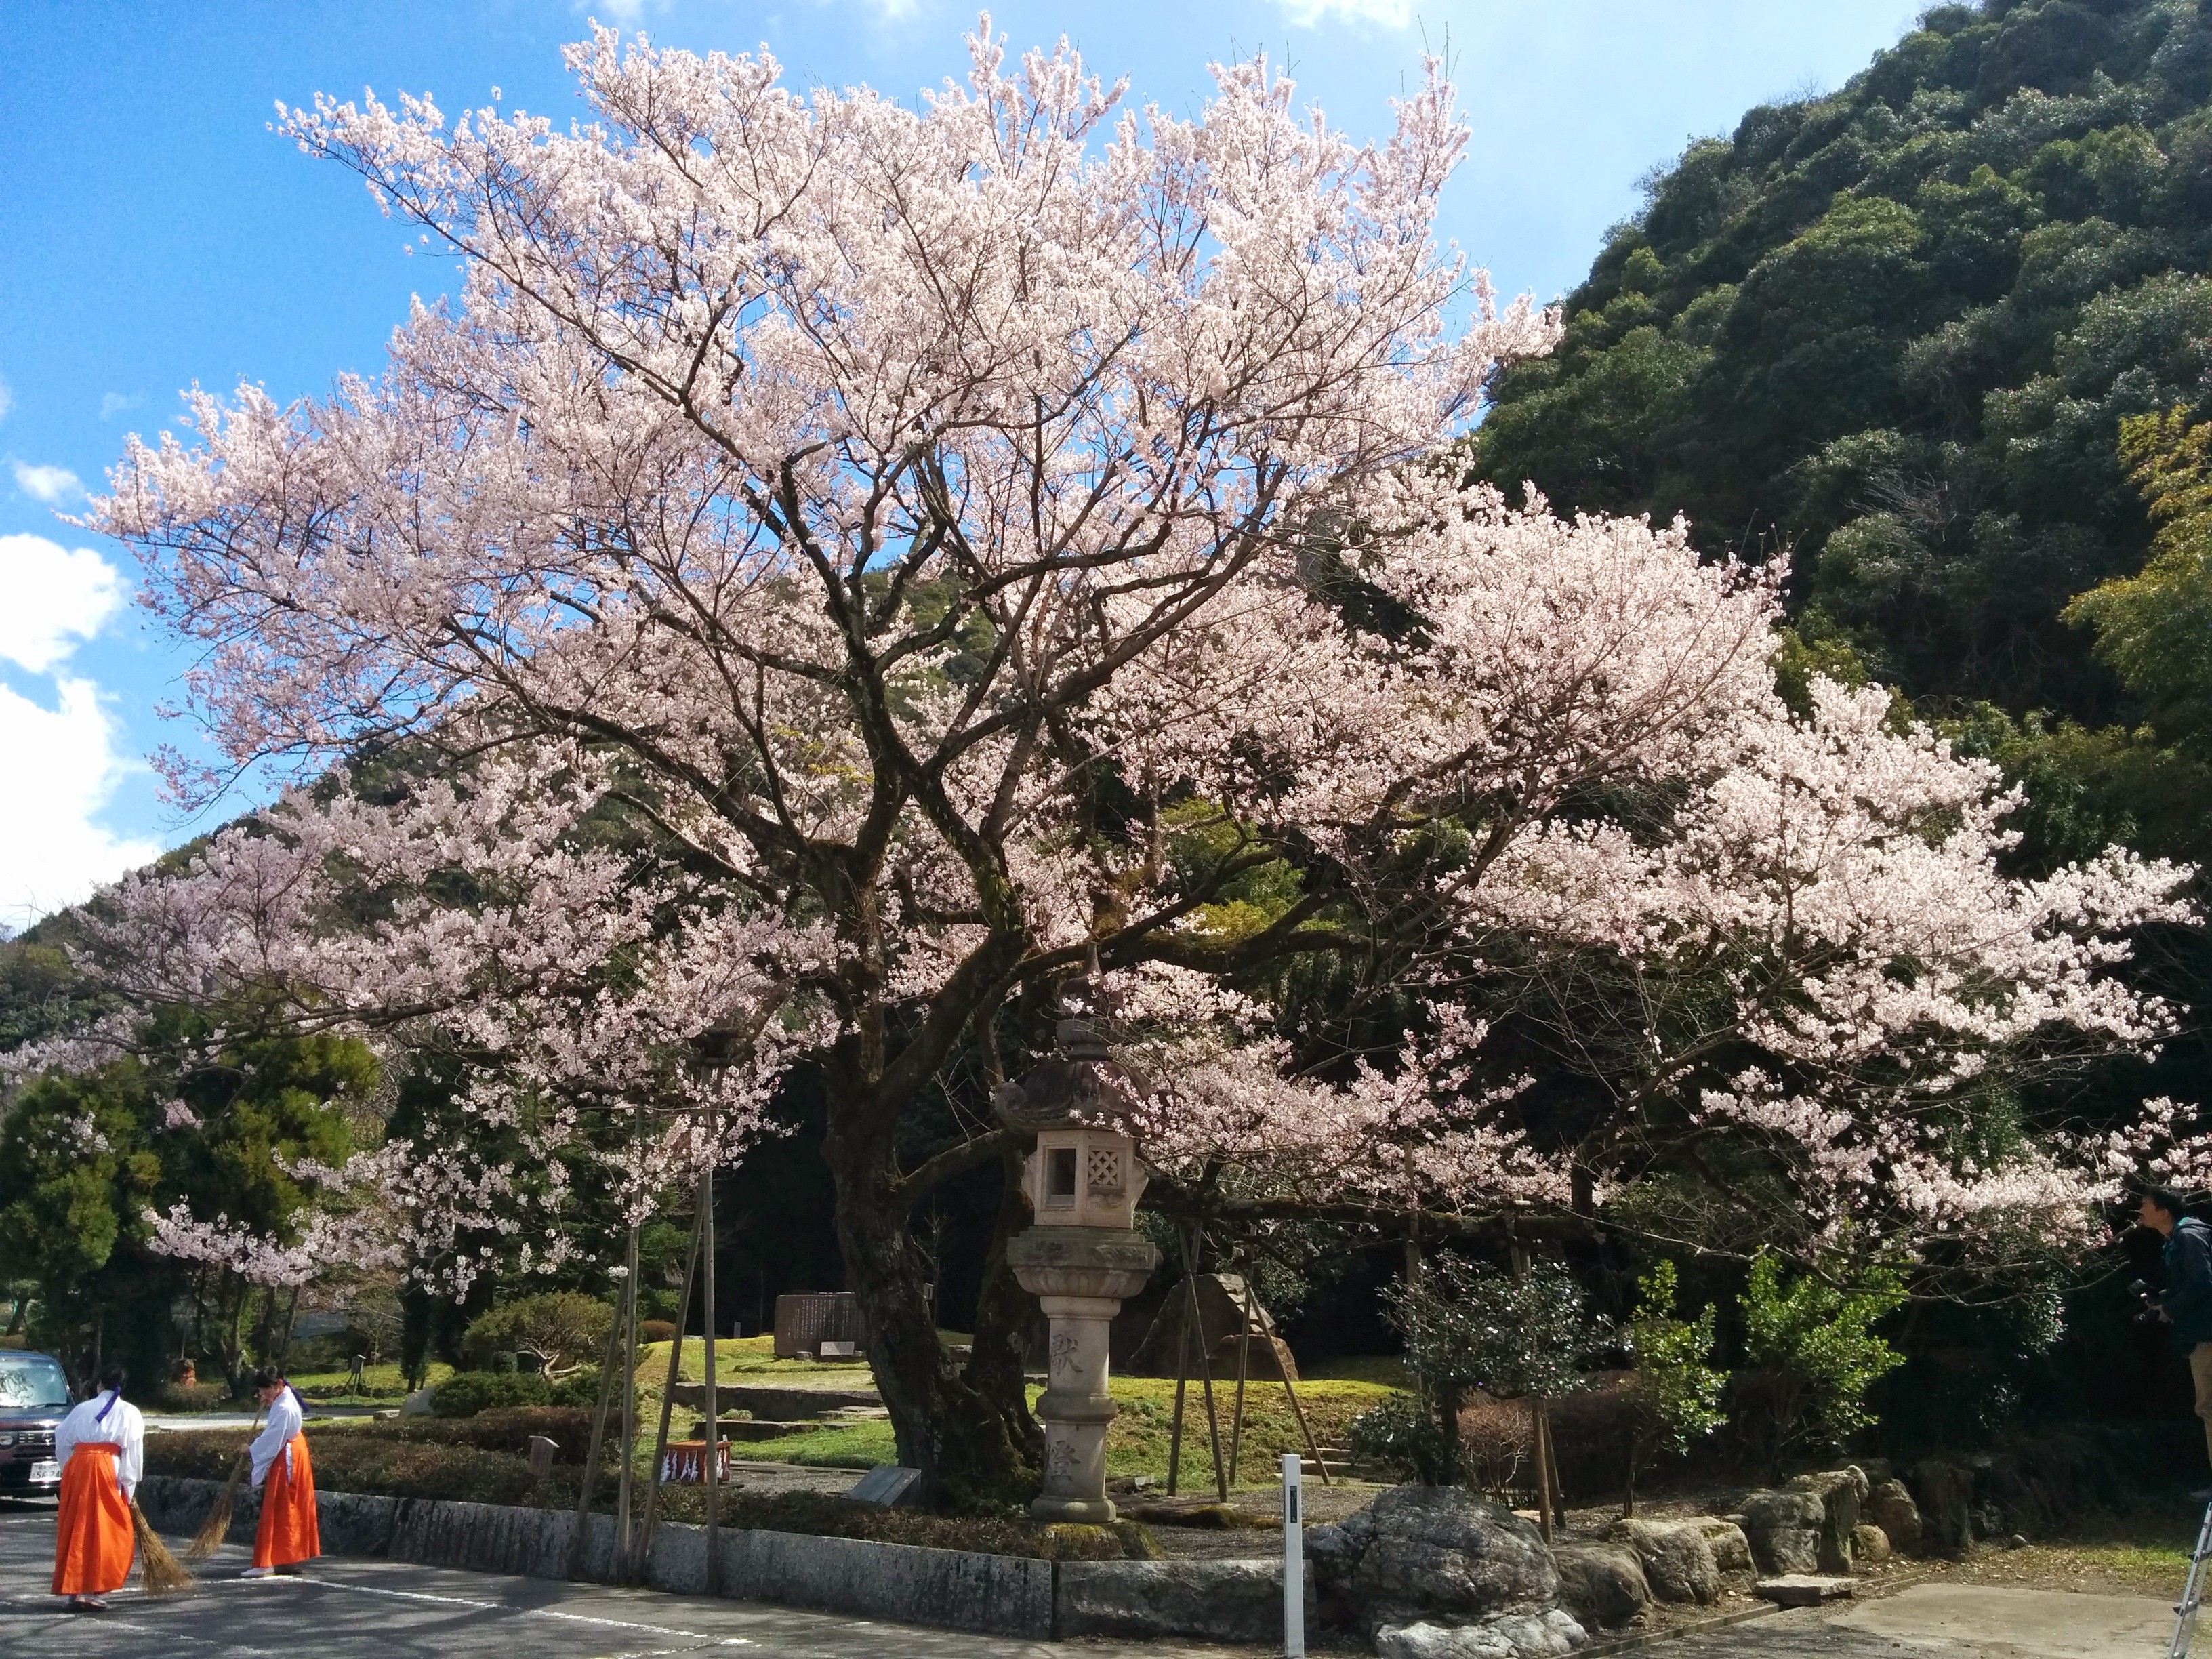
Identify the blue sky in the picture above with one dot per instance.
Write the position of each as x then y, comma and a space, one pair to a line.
153, 233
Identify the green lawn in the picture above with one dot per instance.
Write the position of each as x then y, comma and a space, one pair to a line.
382, 1385
1138, 1443
743, 1359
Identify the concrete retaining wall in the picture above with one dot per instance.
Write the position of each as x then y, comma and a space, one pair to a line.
953, 1589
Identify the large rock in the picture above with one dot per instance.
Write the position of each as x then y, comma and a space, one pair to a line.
1945, 1494
1840, 1491
1890, 1507
1784, 1529
1502, 1636
1602, 1584
1677, 1560
1437, 1554
1731, 1549
1869, 1544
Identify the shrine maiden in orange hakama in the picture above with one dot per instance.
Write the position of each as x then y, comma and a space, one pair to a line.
288, 1534
101, 1446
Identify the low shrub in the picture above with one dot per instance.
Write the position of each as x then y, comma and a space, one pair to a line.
656, 1330
1401, 1435
578, 1388
497, 1428
351, 1459
824, 1515
466, 1393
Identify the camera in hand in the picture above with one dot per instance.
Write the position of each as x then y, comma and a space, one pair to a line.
2149, 1314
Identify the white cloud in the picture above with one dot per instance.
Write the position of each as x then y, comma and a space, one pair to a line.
7, 400
47, 483
56, 596
1312, 14
59, 766
113, 404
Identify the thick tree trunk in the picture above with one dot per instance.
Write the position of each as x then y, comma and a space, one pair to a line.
959, 1432
1003, 1312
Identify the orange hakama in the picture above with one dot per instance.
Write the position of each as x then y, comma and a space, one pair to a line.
287, 1531
94, 1539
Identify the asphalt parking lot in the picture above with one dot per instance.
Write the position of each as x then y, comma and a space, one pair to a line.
352, 1609
357, 1609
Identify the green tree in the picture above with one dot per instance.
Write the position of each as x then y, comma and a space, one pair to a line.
1815, 1345
2154, 628
1893, 329
1471, 1325
77, 1172
560, 1329
1674, 1388
211, 1116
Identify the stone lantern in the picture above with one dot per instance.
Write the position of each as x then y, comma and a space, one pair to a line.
1083, 1257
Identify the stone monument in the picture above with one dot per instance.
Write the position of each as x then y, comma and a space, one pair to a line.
1083, 1256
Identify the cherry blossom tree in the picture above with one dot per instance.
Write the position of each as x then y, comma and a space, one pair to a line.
838, 570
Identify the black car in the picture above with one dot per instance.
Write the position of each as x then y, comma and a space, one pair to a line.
35, 1397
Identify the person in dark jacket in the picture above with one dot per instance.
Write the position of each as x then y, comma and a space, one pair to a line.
2185, 1304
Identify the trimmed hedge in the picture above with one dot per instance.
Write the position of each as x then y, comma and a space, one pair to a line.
824, 1515
350, 1460
466, 1393
498, 1429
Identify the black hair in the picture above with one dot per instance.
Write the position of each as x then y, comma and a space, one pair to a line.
2166, 1199
114, 1377
266, 1378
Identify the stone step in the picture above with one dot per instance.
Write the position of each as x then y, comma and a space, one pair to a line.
764, 1401
759, 1429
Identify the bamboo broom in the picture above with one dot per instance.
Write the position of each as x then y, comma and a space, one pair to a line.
209, 1539
163, 1572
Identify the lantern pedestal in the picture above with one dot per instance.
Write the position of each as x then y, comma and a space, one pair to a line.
1081, 1276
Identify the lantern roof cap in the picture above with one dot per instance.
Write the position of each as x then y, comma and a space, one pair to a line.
1080, 1085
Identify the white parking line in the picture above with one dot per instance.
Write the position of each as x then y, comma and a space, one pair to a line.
162, 1632
526, 1612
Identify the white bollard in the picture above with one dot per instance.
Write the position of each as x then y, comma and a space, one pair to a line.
1294, 1562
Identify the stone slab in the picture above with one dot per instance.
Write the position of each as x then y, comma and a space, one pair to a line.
1218, 1600
956, 1590
888, 1485
1801, 1589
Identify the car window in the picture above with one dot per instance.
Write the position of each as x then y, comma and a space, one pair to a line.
31, 1381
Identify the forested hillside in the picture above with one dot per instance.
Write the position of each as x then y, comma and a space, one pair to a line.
1891, 331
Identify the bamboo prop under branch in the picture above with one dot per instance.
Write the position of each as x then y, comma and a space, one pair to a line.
1540, 1418
626, 1317
163, 1573
1244, 1316
1298, 1411
209, 1539
667, 1404
1175, 1425
581, 1530
1204, 1365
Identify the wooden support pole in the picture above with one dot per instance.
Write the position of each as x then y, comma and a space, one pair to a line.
1204, 1365
1174, 1423
576, 1534
627, 1320
712, 1471
1244, 1369
1313, 1447
667, 1404
1542, 1417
